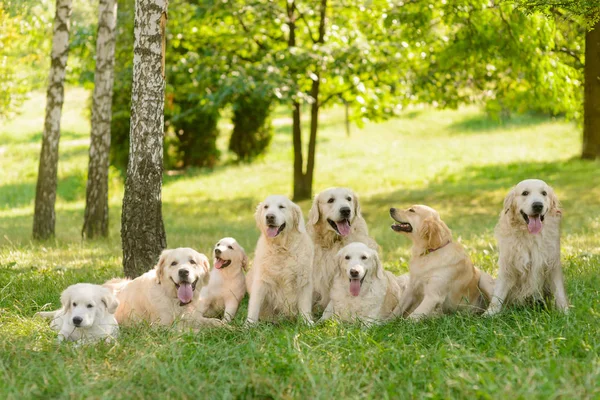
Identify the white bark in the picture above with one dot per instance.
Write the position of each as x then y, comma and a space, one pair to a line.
45, 195
96, 206
142, 231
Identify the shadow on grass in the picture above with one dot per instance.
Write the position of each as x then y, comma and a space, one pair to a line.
485, 123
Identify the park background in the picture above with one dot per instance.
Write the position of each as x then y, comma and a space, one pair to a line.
445, 103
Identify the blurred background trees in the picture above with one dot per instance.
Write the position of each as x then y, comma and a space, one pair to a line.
231, 64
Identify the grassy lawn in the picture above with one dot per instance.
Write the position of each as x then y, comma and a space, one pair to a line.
458, 162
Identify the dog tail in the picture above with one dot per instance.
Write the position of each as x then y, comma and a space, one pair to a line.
116, 285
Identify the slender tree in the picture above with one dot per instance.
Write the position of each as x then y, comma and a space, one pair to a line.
96, 202
142, 230
591, 102
45, 195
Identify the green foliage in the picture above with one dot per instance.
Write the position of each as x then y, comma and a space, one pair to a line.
460, 162
588, 10
252, 130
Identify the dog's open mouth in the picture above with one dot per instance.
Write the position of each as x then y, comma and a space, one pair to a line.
534, 222
273, 230
185, 291
220, 263
340, 227
355, 285
402, 227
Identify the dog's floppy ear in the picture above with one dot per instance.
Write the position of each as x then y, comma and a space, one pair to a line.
435, 232
160, 266
298, 218
244, 260
314, 214
205, 264
65, 298
357, 212
554, 203
509, 200
257, 215
110, 301
379, 272
339, 260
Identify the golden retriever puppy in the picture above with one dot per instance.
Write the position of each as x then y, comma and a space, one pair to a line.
280, 281
167, 293
227, 285
334, 221
362, 289
442, 277
87, 314
528, 235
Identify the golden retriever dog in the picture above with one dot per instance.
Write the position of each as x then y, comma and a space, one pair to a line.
280, 281
362, 290
528, 235
334, 221
227, 285
167, 293
442, 277
87, 314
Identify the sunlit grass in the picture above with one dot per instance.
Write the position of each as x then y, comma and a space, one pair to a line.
459, 162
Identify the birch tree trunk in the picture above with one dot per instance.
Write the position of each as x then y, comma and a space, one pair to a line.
96, 201
591, 101
142, 230
45, 193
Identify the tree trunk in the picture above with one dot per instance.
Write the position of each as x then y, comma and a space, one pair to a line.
96, 201
299, 184
591, 102
347, 116
45, 194
142, 230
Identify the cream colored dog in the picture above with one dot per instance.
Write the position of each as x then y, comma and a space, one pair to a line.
86, 315
334, 221
362, 289
528, 235
167, 293
280, 281
442, 277
227, 285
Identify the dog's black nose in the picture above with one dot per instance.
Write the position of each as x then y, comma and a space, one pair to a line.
392, 210
184, 273
77, 321
537, 207
354, 273
217, 252
270, 218
345, 212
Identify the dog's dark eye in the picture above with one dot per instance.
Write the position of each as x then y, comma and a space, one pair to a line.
281, 207
525, 193
174, 263
349, 198
331, 200
363, 257
193, 262
74, 304
347, 257
230, 247
218, 244
411, 210
266, 206
544, 193
90, 306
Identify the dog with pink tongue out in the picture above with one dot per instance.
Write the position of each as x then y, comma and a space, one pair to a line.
362, 290
166, 294
227, 285
528, 235
334, 221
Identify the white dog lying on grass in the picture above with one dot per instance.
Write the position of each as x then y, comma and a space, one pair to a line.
87, 314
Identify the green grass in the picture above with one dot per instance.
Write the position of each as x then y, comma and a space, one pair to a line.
459, 162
